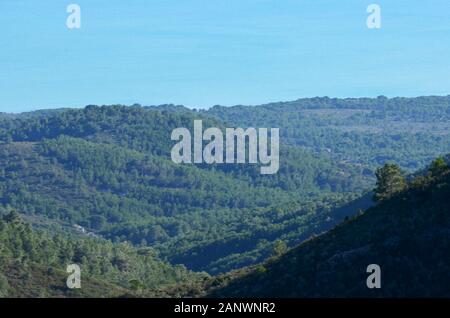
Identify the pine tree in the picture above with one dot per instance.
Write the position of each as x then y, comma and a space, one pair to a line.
390, 180
438, 167
279, 248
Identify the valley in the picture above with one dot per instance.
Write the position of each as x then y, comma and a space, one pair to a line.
108, 169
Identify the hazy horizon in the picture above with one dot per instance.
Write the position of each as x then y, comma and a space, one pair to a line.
199, 54
209, 107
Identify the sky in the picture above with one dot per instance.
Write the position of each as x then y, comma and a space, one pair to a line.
201, 53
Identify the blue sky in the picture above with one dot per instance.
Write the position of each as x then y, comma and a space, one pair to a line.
200, 53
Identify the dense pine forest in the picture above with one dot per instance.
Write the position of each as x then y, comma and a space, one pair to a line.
406, 234
96, 186
108, 169
33, 263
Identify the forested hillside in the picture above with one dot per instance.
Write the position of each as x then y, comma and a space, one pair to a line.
33, 264
108, 170
364, 131
406, 234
